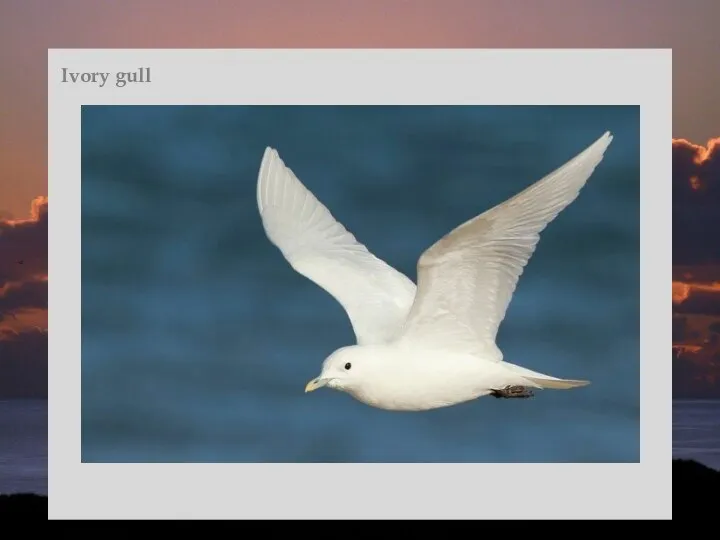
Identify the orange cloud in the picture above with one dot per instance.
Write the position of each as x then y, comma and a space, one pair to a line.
27, 319
23, 244
680, 292
23, 303
696, 202
701, 154
696, 297
20, 296
699, 161
23, 271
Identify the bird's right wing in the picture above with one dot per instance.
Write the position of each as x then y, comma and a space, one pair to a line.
467, 278
376, 297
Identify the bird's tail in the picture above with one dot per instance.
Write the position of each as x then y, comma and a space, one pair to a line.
540, 380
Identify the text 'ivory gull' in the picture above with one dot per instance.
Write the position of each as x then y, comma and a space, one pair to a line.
433, 345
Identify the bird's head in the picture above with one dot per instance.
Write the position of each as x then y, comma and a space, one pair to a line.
342, 370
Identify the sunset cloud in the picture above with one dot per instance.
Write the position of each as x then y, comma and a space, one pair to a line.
22, 296
699, 299
680, 292
696, 268
23, 303
24, 245
696, 202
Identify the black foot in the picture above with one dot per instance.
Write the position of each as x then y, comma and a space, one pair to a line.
512, 392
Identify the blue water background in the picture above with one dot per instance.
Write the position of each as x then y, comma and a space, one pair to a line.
198, 337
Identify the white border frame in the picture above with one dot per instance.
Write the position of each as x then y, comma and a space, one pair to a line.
355, 76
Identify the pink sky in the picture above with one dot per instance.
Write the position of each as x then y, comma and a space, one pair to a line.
29, 27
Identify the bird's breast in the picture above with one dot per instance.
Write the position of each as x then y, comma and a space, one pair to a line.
418, 391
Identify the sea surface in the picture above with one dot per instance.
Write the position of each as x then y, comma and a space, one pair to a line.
23, 446
198, 337
696, 431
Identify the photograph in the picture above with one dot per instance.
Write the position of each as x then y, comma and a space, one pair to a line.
360, 283
375, 260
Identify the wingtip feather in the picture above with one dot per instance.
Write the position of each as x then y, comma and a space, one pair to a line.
270, 156
602, 143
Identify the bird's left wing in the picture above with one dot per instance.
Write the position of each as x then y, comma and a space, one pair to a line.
467, 278
376, 297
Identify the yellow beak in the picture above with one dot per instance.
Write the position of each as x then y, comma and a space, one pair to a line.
315, 384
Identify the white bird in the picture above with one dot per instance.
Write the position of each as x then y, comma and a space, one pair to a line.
431, 346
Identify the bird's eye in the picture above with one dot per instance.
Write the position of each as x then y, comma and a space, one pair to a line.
348, 365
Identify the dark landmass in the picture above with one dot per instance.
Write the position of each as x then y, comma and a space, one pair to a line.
689, 468
696, 486
23, 505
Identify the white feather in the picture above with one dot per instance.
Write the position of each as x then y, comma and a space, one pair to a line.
375, 296
467, 278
